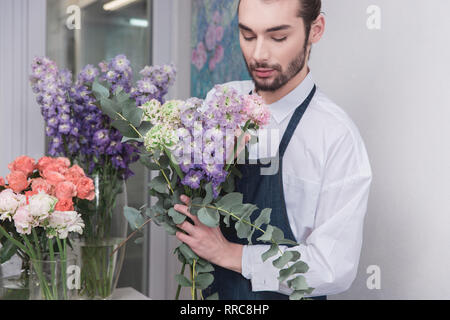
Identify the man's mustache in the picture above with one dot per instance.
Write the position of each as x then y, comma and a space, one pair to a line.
265, 66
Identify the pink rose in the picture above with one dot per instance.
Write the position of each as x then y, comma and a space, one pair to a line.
17, 181
23, 220
64, 162
56, 167
64, 205
53, 177
43, 163
65, 190
39, 184
24, 164
86, 189
74, 174
2, 182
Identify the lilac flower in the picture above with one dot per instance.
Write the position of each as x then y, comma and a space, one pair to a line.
193, 179
88, 74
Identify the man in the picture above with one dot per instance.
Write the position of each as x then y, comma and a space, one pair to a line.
319, 194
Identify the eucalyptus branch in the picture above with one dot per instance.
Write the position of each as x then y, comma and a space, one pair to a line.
130, 236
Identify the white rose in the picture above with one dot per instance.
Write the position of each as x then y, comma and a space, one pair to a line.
41, 205
9, 203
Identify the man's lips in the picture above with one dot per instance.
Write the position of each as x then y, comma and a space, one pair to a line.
264, 73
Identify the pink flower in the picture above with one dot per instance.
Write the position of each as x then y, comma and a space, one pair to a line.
212, 64
86, 189
9, 203
65, 190
43, 163
217, 18
219, 33
23, 220
256, 110
23, 164
2, 182
61, 223
53, 177
199, 56
74, 174
210, 38
18, 181
63, 162
39, 184
64, 205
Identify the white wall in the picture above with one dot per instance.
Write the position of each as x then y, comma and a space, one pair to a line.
22, 37
394, 83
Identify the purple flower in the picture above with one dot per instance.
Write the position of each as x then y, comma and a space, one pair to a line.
193, 179
121, 63
101, 138
88, 74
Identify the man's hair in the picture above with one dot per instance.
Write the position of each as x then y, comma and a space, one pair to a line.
309, 11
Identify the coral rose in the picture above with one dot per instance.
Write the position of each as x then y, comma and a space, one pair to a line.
2, 182
17, 181
64, 162
64, 205
53, 177
23, 164
74, 174
39, 184
43, 163
65, 190
86, 189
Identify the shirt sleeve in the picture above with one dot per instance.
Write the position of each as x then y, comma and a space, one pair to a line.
332, 249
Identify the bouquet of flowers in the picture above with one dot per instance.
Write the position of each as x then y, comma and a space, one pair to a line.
37, 215
80, 130
195, 146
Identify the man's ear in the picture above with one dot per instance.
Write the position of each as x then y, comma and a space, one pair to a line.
317, 29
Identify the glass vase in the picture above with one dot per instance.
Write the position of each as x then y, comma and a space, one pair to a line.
99, 251
15, 287
55, 279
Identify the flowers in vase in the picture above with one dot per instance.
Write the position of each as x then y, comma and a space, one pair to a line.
37, 213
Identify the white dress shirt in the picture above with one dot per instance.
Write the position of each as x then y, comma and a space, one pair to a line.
326, 180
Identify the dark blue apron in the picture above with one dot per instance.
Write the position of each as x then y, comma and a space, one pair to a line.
265, 191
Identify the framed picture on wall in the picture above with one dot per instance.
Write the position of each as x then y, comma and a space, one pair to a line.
216, 55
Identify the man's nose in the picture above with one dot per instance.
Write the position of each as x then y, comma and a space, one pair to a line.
261, 52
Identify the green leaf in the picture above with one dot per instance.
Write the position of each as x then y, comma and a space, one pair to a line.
229, 185
270, 253
208, 267
145, 127
125, 129
297, 295
139, 240
177, 217
264, 217
183, 281
203, 280
209, 194
159, 184
285, 258
170, 229
187, 252
7, 251
243, 229
214, 296
134, 217
209, 217
109, 108
298, 267
99, 90
134, 116
298, 283
267, 236
122, 96
229, 200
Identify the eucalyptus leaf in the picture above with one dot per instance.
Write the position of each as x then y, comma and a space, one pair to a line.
203, 280
125, 129
183, 281
298, 283
209, 194
263, 218
187, 252
229, 200
209, 217
8, 250
270, 253
99, 90
214, 296
285, 258
178, 218
297, 295
134, 217
159, 184
243, 229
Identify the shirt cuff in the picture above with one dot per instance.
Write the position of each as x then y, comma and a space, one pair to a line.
263, 275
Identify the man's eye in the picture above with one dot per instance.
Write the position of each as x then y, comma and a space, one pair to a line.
279, 39
249, 38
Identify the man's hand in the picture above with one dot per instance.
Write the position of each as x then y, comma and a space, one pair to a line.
208, 243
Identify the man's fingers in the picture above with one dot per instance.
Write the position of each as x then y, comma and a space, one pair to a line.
186, 226
186, 200
185, 210
184, 238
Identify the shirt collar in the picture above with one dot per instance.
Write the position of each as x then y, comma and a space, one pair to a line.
286, 105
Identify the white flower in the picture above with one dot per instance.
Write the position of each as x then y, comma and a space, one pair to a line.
23, 221
61, 223
41, 205
9, 203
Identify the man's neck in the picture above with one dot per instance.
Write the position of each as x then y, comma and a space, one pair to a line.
271, 97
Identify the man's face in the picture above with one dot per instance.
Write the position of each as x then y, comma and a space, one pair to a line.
273, 41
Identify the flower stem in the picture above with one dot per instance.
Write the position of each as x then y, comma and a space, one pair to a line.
179, 286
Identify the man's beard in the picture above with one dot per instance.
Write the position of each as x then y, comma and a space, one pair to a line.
294, 68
